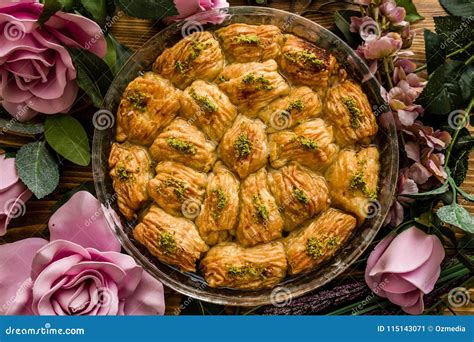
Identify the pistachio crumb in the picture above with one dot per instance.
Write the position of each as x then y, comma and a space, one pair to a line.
247, 39
261, 211
242, 146
138, 100
181, 145
353, 109
167, 242
203, 101
300, 195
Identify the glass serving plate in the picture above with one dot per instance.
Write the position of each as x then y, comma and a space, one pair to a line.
193, 284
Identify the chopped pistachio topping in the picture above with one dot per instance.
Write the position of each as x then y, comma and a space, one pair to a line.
247, 39
316, 247
308, 143
295, 105
204, 102
167, 242
261, 211
181, 145
122, 173
179, 188
355, 112
247, 271
300, 195
195, 51
304, 57
138, 100
260, 82
222, 78
242, 146
358, 182
221, 202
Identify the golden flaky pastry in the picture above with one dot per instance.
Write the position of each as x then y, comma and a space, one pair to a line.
300, 105
130, 170
178, 189
230, 265
348, 109
171, 239
252, 86
311, 245
184, 143
353, 181
244, 147
149, 103
299, 193
306, 64
196, 57
250, 43
311, 144
206, 106
260, 219
218, 216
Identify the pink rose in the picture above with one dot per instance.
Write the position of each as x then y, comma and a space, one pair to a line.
405, 267
36, 70
13, 193
393, 13
383, 47
187, 8
79, 272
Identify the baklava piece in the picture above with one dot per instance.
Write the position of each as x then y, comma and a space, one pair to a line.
173, 240
310, 246
218, 216
196, 57
234, 266
311, 144
149, 103
353, 180
299, 193
348, 109
130, 170
206, 106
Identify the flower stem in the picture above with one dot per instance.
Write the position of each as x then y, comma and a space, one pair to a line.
458, 129
387, 72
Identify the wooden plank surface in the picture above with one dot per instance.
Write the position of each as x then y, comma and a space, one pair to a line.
134, 33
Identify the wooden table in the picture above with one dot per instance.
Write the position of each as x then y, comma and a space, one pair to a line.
134, 33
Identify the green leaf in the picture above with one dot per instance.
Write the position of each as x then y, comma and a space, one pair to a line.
462, 8
438, 191
459, 161
67, 137
456, 33
97, 8
457, 216
435, 55
38, 168
117, 54
443, 93
410, 8
50, 7
466, 82
148, 9
342, 19
13, 125
93, 74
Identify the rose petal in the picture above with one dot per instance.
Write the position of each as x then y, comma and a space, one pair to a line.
59, 105
373, 282
15, 267
82, 221
14, 208
425, 276
396, 284
9, 174
404, 299
148, 298
408, 251
417, 308
20, 111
